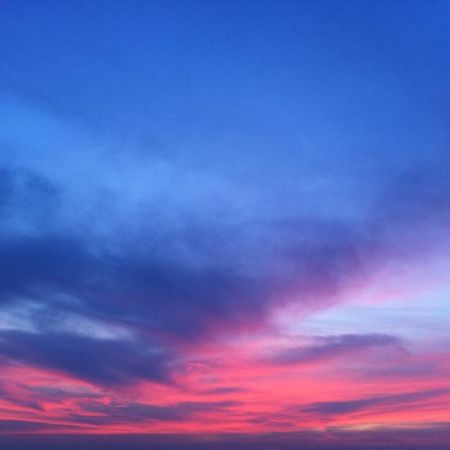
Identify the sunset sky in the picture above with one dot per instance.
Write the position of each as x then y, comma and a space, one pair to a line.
224, 224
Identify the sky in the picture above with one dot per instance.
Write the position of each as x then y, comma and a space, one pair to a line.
224, 224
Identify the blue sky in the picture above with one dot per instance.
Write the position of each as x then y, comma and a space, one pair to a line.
198, 188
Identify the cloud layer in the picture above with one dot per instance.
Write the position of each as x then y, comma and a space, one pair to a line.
223, 221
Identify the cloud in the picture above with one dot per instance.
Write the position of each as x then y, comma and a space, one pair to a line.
396, 401
225, 390
146, 284
122, 261
106, 362
28, 402
23, 426
27, 200
114, 413
331, 347
41, 266
149, 287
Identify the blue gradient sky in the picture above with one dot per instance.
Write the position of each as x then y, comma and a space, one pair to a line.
225, 217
